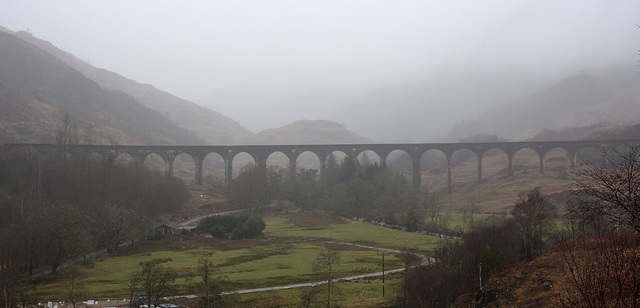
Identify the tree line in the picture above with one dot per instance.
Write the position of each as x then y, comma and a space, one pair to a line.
486, 248
349, 188
60, 207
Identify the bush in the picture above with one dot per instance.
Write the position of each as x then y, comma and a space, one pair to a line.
235, 227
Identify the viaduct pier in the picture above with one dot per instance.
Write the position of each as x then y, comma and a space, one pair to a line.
260, 153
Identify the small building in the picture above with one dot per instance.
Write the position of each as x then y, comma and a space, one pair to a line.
184, 230
174, 228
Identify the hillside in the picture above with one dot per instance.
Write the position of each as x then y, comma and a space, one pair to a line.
584, 272
307, 132
36, 90
591, 132
540, 281
210, 125
593, 97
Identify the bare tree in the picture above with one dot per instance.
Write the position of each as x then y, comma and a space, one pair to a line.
308, 296
154, 279
602, 255
209, 288
27, 293
531, 213
436, 222
64, 233
325, 263
115, 225
67, 135
251, 187
133, 284
602, 271
73, 291
612, 187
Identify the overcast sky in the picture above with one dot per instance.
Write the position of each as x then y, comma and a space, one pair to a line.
195, 48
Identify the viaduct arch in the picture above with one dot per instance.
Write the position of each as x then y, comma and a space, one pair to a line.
260, 153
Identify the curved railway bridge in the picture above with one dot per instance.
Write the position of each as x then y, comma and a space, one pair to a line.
260, 153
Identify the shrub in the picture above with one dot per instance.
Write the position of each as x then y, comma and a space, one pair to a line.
235, 227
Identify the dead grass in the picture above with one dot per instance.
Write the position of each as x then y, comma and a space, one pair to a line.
540, 281
536, 281
498, 191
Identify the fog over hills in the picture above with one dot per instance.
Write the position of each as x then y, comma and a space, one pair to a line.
38, 86
37, 90
609, 96
417, 109
444, 105
307, 132
210, 125
392, 71
425, 109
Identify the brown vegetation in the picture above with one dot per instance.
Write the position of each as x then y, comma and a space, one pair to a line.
499, 191
550, 279
597, 263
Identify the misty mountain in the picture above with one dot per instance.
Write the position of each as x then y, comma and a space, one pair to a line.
422, 107
111, 105
210, 125
37, 89
307, 132
281, 95
444, 105
593, 97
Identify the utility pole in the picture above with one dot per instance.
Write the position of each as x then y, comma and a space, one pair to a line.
383, 275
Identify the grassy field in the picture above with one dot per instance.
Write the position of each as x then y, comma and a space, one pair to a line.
458, 221
359, 293
343, 230
259, 266
282, 257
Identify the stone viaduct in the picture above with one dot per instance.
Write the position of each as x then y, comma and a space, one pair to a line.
260, 153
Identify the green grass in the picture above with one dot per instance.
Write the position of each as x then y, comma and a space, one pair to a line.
254, 267
361, 293
352, 232
456, 220
284, 256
